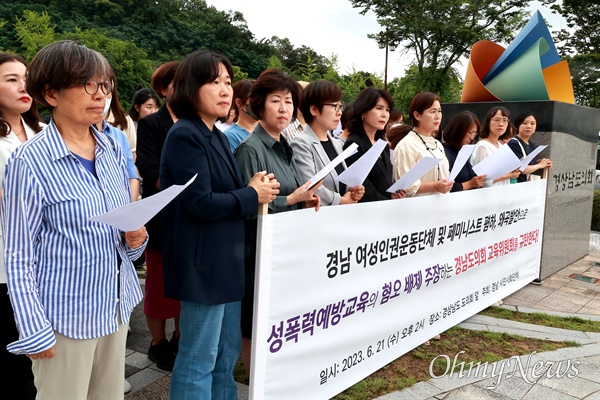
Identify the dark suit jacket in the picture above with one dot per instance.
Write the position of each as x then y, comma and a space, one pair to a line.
380, 177
465, 174
151, 133
203, 227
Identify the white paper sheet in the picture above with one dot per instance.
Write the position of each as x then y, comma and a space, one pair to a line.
525, 161
498, 163
331, 166
133, 216
356, 174
420, 169
462, 157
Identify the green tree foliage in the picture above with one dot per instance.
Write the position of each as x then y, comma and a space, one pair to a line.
131, 65
438, 32
34, 31
580, 44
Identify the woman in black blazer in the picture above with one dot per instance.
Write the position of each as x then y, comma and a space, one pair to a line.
151, 134
370, 115
203, 229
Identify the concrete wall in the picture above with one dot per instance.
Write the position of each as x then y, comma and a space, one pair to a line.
572, 135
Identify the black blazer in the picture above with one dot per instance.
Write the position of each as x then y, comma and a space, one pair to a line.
380, 177
203, 227
151, 133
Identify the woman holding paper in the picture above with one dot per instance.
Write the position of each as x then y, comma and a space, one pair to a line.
71, 281
526, 124
203, 228
274, 99
425, 113
322, 108
460, 131
496, 122
367, 125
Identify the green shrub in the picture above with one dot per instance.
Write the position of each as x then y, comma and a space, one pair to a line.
596, 211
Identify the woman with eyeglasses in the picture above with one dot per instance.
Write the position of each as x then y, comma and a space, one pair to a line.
496, 123
425, 113
71, 280
322, 108
462, 130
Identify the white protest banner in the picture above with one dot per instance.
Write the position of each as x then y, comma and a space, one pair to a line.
346, 290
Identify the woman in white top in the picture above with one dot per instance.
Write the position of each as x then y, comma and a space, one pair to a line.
19, 121
496, 122
425, 114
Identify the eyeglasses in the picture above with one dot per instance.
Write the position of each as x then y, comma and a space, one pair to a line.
472, 134
91, 87
336, 107
498, 120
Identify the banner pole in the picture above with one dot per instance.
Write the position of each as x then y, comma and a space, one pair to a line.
263, 210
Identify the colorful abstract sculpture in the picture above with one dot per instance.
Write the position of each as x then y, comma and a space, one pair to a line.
529, 69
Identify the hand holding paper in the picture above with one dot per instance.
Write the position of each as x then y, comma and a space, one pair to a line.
331, 166
530, 156
461, 159
133, 216
498, 163
356, 174
420, 169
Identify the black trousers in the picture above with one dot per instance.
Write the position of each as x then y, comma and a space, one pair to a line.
17, 379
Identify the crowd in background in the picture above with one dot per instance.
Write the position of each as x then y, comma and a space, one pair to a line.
68, 285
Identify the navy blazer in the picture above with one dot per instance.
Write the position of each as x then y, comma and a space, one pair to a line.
380, 178
203, 227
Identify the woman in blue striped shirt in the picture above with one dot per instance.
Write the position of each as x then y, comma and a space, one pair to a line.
71, 281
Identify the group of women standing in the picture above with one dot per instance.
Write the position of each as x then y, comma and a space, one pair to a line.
72, 282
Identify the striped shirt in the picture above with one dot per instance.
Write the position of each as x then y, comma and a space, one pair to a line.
62, 268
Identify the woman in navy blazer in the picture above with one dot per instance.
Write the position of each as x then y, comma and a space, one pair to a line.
203, 229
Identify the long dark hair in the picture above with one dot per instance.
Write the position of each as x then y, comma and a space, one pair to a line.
31, 116
366, 100
139, 98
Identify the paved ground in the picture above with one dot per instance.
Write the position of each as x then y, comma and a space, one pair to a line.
558, 294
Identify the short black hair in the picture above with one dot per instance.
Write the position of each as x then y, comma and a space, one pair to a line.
316, 94
196, 70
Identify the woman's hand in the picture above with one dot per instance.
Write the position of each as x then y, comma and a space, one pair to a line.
43, 354
135, 239
475, 182
353, 195
314, 202
302, 195
544, 163
400, 194
443, 186
267, 189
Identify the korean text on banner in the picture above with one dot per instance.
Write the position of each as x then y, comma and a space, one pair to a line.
346, 290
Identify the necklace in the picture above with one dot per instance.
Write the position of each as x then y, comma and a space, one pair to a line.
430, 150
